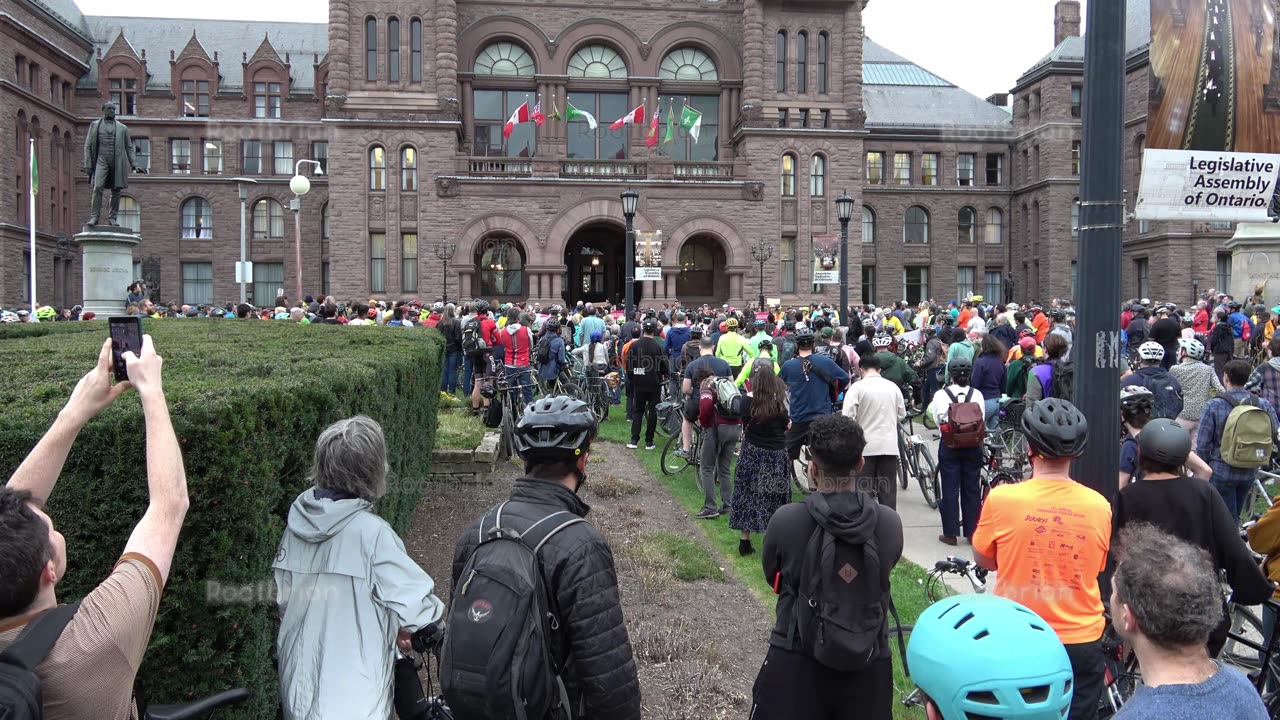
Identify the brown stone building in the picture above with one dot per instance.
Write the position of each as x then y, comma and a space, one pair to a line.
404, 105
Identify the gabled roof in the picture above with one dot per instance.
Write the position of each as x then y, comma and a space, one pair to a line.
897, 93
194, 49
265, 52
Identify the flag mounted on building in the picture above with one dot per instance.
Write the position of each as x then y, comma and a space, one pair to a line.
651, 137
555, 111
521, 115
35, 172
691, 121
572, 113
538, 117
671, 124
635, 117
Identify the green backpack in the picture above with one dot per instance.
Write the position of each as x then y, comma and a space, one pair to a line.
1247, 436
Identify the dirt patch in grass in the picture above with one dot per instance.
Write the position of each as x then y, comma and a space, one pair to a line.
687, 559
608, 487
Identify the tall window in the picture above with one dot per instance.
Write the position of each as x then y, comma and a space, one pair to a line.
868, 284
415, 50
964, 169
320, 153
408, 168
788, 175
251, 157
324, 221
915, 226
197, 283
142, 152
1075, 217
601, 143
212, 157
1075, 157
1142, 274
817, 176
868, 225
968, 222
780, 59
377, 262
875, 168
682, 147
268, 281
992, 286
995, 226
915, 284
377, 168
1075, 280
266, 100
195, 98
902, 168
393, 49
802, 62
130, 215
282, 157
268, 219
1076, 95
370, 49
124, 93
409, 262
493, 107
197, 219
501, 266
995, 169
823, 52
180, 156
1224, 272
964, 282
787, 264
929, 169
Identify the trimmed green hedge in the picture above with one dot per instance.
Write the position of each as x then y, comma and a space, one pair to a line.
248, 400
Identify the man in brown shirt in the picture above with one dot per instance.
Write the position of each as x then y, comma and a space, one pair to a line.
90, 672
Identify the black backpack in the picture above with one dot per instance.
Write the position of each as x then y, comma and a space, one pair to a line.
1063, 383
543, 350
1167, 401
472, 339
786, 348
837, 355
841, 608
20, 692
498, 657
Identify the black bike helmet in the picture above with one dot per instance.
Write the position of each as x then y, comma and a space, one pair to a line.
788, 325
1055, 429
482, 306
553, 323
651, 327
559, 427
804, 337
1166, 442
962, 367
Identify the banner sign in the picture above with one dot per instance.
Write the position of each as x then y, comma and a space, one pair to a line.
1214, 112
648, 255
826, 260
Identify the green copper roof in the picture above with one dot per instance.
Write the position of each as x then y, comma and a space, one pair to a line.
892, 73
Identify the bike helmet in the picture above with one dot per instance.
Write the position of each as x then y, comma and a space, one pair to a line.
788, 325
488, 390
695, 330
758, 324
1151, 351
8, 316
482, 306
1166, 442
597, 336
804, 337
1194, 348
961, 367
559, 427
651, 327
45, 312
553, 323
1057, 316
882, 341
731, 323
1137, 400
437, 307
988, 656
1055, 429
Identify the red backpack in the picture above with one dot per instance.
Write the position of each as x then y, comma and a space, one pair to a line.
966, 424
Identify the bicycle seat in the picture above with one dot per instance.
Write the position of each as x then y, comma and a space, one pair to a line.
198, 708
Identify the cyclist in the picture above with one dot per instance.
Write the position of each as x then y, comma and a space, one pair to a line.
1055, 377
553, 361
958, 468
1265, 379
554, 439
1197, 380
732, 347
1232, 481
811, 384
1047, 538
876, 404
761, 335
678, 334
893, 367
695, 372
1001, 654
646, 370
1136, 404
1151, 373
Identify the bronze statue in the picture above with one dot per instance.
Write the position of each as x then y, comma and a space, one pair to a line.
108, 158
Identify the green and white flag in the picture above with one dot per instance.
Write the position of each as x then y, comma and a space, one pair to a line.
572, 113
671, 124
691, 121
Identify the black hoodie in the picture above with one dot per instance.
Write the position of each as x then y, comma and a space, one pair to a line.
851, 517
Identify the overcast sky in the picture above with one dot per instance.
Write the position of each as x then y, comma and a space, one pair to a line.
980, 45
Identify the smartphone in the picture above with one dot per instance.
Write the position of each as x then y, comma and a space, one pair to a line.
126, 336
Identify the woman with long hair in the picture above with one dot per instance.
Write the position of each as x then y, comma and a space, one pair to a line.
763, 480
452, 331
989, 376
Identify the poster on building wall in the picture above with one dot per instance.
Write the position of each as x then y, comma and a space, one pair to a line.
648, 255
1214, 112
826, 259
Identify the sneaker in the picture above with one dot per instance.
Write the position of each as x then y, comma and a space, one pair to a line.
682, 453
632, 446
650, 446
707, 514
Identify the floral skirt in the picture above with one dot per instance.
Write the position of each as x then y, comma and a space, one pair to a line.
761, 486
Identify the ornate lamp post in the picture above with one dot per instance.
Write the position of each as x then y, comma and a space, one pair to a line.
300, 186
844, 210
761, 252
630, 199
444, 251
242, 186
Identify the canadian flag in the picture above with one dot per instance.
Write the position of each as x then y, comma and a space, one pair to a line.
521, 115
635, 117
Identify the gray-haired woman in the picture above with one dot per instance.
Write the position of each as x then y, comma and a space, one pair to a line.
348, 592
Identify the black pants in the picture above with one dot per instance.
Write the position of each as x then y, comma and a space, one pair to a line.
879, 477
792, 686
1220, 361
645, 407
1087, 662
796, 437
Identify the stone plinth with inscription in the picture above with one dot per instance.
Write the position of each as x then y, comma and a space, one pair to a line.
106, 257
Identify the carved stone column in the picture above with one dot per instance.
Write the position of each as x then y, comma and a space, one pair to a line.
851, 68
446, 69
753, 52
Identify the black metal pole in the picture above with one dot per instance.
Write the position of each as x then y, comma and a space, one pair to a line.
631, 268
446, 281
844, 270
1102, 213
762, 259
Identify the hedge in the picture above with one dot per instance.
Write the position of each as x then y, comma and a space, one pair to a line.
248, 400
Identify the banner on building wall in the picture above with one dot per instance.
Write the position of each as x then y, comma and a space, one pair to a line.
826, 259
1214, 112
648, 255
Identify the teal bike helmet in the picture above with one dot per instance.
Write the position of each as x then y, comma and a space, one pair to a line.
989, 657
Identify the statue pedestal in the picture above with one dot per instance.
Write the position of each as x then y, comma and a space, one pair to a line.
107, 267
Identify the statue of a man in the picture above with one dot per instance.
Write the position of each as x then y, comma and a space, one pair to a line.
108, 158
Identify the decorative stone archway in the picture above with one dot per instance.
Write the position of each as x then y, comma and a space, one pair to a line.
731, 244
471, 243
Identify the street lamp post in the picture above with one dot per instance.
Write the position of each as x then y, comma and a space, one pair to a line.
300, 186
629, 200
444, 251
761, 251
844, 210
242, 185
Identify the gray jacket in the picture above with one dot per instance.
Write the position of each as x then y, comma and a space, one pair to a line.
345, 586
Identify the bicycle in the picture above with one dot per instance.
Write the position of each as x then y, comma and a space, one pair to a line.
1121, 676
673, 464
201, 709
935, 588
415, 704
800, 471
915, 461
999, 466
1260, 499
909, 695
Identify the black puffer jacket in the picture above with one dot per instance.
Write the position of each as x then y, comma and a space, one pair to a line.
578, 569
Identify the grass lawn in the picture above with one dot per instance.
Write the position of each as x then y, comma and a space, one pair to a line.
458, 430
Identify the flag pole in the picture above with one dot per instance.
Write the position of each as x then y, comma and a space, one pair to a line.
31, 217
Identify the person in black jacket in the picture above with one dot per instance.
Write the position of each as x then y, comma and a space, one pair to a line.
554, 439
646, 369
1221, 341
1166, 330
452, 331
792, 683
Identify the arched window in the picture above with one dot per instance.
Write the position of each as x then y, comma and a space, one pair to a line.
802, 62
197, 219
504, 58
824, 51
377, 168
393, 49
415, 50
130, 216
915, 226
597, 61
324, 221
967, 226
698, 268
268, 219
408, 168
370, 49
995, 226
868, 225
788, 175
500, 264
817, 176
1075, 217
780, 59
688, 64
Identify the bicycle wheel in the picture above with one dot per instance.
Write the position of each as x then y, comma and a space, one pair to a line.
800, 471
927, 475
508, 430
904, 690
673, 464
1247, 625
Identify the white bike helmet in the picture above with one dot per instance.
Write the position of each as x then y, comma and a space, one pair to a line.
1194, 348
1151, 351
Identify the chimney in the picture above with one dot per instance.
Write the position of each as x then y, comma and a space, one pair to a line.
1066, 20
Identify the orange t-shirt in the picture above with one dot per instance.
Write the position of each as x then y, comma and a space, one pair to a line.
1041, 323
962, 322
1049, 539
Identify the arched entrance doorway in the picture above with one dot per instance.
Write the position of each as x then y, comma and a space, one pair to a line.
500, 269
699, 280
595, 268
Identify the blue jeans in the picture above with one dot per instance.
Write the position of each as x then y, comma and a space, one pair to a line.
992, 411
521, 376
449, 380
961, 493
1234, 493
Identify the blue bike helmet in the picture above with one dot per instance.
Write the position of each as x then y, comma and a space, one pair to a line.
987, 656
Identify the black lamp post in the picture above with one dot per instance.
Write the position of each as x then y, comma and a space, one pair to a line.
761, 252
844, 210
444, 251
629, 200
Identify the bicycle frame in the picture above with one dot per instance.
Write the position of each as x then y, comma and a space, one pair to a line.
1268, 651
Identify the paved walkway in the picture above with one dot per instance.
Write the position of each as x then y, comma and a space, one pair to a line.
922, 525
